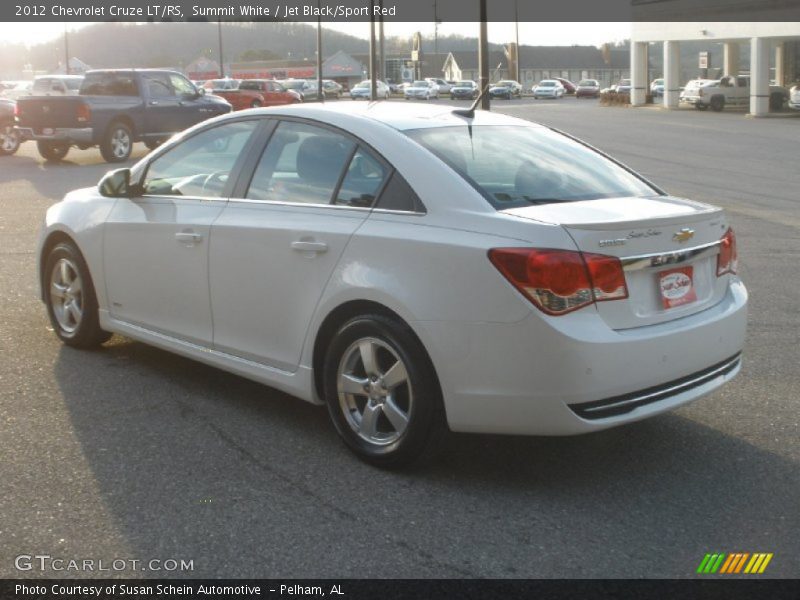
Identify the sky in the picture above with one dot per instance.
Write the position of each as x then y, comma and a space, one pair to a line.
534, 34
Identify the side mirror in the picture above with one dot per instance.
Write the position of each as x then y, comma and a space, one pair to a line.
116, 184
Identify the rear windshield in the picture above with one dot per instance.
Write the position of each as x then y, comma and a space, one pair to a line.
109, 84
515, 166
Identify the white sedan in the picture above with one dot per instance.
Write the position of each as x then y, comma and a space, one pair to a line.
422, 89
548, 88
549, 291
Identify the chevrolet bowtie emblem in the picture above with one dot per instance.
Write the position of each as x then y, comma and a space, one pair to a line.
683, 235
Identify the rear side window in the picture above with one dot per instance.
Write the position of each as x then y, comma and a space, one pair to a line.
109, 84
398, 195
250, 85
515, 166
301, 164
363, 180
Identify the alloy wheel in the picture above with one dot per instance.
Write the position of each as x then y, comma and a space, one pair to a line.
66, 295
374, 391
120, 143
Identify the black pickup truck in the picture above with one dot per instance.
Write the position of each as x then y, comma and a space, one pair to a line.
114, 109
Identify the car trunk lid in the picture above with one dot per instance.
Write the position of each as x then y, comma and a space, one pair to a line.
668, 248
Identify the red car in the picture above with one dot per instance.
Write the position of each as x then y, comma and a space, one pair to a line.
253, 93
569, 87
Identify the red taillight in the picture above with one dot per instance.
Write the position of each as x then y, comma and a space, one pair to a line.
560, 281
17, 111
84, 113
727, 260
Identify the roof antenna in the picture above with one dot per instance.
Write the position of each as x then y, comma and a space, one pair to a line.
470, 112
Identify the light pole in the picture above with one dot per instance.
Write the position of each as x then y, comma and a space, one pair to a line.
516, 27
66, 51
483, 57
373, 84
221, 59
320, 91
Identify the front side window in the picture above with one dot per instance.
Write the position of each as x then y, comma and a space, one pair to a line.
514, 166
181, 85
199, 166
301, 164
158, 85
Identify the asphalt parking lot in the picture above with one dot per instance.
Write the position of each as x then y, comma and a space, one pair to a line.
133, 453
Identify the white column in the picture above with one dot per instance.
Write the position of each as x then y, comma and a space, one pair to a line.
730, 65
672, 73
759, 77
779, 72
639, 81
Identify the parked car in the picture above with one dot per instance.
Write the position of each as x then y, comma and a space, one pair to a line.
569, 87
623, 87
794, 97
57, 85
548, 88
657, 88
114, 109
364, 89
587, 88
9, 137
442, 85
18, 90
464, 89
506, 88
731, 90
254, 93
421, 89
301, 86
562, 316
221, 85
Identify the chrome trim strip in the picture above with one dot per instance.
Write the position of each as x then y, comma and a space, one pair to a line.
300, 204
659, 259
675, 389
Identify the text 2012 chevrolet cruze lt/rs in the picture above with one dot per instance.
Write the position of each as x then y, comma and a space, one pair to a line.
412, 267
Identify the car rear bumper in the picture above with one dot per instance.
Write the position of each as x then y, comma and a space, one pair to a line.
565, 376
82, 135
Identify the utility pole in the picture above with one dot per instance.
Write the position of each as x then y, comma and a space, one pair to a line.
320, 91
516, 27
382, 44
373, 85
66, 51
483, 57
435, 29
221, 59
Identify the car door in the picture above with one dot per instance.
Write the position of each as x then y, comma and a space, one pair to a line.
191, 105
161, 113
156, 245
279, 238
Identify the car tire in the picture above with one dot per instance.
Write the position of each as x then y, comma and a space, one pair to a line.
9, 140
376, 368
70, 298
717, 103
117, 143
700, 106
153, 144
53, 151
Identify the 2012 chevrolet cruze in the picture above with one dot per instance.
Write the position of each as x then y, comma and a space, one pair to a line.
412, 267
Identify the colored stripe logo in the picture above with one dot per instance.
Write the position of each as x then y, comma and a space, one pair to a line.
734, 563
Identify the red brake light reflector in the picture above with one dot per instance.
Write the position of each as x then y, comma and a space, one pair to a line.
84, 113
728, 259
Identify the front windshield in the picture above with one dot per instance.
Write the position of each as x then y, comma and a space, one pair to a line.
420, 84
361, 86
514, 166
588, 82
548, 84
464, 84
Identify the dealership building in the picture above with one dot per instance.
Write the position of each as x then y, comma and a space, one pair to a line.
774, 49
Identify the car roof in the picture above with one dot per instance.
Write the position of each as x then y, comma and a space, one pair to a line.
394, 114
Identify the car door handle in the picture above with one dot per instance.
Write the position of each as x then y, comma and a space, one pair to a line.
307, 246
188, 237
